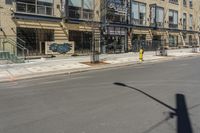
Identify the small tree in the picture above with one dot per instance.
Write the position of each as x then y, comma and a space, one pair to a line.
94, 5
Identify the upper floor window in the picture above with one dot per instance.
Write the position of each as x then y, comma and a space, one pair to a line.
184, 21
81, 9
9, 2
116, 11
191, 3
184, 2
157, 16
173, 1
138, 12
75, 3
44, 7
191, 22
173, 19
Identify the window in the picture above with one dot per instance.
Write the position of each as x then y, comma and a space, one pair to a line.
191, 3
44, 7
88, 7
9, 2
88, 4
75, 3
138, 13
157, 16
184, 21
173, 19
81, 9
185, 3
191, 22
116, 11
173, 1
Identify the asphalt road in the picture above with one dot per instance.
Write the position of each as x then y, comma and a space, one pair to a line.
146, 98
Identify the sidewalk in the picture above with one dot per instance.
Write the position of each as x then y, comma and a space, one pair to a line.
45, 67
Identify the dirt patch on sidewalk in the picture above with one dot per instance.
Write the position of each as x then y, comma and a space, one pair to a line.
95, 64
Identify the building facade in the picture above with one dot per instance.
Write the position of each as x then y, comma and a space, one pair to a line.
109, 25
31, 23
173, 23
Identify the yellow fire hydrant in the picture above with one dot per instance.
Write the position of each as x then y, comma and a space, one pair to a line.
141, 52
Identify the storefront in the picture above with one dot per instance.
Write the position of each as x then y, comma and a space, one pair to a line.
114, 40
82, 40
173, 40
114, 29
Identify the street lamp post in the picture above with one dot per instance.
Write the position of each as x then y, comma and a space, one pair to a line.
1, 7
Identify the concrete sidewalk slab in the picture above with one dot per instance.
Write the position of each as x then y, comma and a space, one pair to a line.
5, 76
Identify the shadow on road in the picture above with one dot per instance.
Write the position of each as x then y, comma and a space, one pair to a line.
181, 111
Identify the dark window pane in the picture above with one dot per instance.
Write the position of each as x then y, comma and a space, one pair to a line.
41, 10
31, 8
9, 2
49, 11
21, 7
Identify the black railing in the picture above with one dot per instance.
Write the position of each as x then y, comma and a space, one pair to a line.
174, 26
141, 22
147, 45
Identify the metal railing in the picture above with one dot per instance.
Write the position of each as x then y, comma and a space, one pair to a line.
157, 24
147, 45
172, 25
20, 45
14, 47
141, 22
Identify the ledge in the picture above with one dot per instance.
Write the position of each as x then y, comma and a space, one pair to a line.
19, 15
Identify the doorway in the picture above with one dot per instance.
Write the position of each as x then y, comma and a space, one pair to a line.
157, 41
138, 41
82, 39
